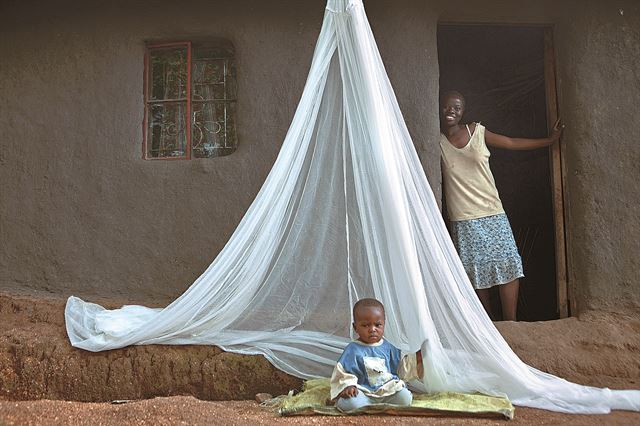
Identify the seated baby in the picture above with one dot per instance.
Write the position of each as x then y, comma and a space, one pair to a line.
370, 370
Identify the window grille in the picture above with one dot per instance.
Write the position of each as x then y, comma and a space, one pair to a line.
195, 80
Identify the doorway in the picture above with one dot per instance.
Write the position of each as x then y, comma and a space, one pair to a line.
503, 72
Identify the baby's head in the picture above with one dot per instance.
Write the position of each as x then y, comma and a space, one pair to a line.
368, 320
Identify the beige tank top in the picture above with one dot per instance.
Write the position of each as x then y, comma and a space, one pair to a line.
468, 182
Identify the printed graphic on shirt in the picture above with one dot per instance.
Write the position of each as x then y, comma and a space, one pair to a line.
377, 372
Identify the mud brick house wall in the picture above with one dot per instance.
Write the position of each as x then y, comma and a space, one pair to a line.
83, 213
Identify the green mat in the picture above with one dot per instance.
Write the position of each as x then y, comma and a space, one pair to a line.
314, 399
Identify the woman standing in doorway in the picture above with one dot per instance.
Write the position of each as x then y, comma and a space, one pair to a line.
479, 226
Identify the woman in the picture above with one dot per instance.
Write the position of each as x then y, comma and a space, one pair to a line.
479, 226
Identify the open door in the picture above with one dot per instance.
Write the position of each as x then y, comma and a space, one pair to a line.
507, 74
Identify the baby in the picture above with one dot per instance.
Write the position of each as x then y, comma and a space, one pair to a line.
370, 368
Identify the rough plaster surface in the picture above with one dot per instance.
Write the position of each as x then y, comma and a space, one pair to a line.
82, 213
37, 361
600, 83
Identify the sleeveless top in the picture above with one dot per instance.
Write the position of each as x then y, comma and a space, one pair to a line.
468, 182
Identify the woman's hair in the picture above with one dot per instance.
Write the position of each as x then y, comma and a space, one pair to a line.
367, 303
453, 94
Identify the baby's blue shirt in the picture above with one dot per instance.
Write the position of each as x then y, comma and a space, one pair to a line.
373, 365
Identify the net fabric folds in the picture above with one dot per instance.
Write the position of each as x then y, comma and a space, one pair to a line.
345, 213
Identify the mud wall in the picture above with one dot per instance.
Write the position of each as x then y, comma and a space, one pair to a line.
600, 82
82, 212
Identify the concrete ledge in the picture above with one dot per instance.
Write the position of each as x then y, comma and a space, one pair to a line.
37, 361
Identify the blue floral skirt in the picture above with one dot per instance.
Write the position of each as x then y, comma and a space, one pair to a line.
487, 250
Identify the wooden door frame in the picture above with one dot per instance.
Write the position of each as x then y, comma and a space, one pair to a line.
565, 299
557, 179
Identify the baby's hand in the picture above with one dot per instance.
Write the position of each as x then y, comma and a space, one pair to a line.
348, 392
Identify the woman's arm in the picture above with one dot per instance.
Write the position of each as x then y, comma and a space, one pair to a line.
505, 142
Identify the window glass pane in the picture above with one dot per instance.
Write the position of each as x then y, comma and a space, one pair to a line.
213, 129
208, 79
213, 82
230, 84
212, 100
231, 140
213, 49
166, 132
168, 73
208, 129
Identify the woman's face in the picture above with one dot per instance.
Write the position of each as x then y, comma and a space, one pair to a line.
451, 111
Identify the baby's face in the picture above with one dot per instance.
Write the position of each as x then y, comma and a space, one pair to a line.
369, 324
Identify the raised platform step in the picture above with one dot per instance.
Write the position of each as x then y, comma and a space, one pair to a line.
37, 361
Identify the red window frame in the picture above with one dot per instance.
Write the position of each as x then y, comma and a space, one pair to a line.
150, 47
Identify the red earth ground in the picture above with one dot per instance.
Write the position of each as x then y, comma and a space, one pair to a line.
43, 380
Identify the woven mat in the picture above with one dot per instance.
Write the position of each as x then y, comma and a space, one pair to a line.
314, 400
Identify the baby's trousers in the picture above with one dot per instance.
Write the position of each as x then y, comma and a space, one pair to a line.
402, 397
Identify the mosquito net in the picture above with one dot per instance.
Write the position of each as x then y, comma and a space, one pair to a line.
345, 213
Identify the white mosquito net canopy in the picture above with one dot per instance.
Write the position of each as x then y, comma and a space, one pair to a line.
345, 213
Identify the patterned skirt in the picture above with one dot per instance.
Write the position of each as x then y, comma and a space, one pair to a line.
487, 250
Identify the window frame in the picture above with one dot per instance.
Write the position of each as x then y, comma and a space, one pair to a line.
148, 48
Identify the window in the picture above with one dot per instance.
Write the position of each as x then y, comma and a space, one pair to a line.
190, 100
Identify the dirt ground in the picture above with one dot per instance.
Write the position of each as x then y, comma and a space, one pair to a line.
187, 410
44, 381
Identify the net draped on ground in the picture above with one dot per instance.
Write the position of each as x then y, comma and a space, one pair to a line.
345, 213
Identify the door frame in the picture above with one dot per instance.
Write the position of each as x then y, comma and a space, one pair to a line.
565, 299
557, 179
